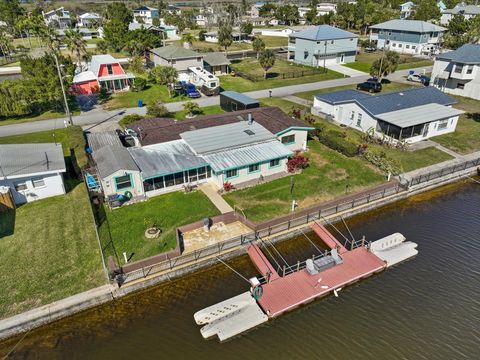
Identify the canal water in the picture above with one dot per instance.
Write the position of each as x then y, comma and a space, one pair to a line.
426, 308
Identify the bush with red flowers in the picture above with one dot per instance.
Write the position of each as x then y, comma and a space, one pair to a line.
296, 163
227, 186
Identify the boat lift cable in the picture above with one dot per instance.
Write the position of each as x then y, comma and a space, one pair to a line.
231, 268
475, 180
273, 257
338, 231
311, 242
274, 248
348, 229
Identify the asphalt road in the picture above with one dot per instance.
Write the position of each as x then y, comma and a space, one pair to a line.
98, 115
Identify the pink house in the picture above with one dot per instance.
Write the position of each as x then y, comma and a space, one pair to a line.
104, 71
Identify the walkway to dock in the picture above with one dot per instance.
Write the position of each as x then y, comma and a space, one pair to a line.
261, 262
328, 238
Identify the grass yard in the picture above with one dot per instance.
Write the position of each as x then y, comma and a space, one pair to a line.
48, 251
393, 86
283, 104
326, 177
203, 46
364, 61
71, 138
153, 93
466, 138
274, 41
207, 110
169, 211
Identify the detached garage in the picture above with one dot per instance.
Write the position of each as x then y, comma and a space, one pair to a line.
234, 101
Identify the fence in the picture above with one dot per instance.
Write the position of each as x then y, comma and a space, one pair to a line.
263, 230
448, 170
288, 75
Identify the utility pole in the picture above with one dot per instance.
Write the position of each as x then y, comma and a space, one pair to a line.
67, 109
325, 57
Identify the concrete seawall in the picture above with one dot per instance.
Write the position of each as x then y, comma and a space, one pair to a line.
63, 308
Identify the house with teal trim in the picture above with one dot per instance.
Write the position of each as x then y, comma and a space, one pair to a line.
242, 148
408, 36
322, 45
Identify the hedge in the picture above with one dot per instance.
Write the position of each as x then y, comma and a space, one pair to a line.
335, 140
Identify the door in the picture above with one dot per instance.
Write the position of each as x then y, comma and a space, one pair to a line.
425, 130
342, 58
340, 113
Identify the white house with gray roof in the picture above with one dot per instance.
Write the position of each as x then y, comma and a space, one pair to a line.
458, 72
178, 57
322, 45
32, 171
467, 11
407, 36
408, 115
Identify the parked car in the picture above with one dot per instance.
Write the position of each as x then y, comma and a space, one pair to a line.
370, 86
370, 49
191, 91
425, 80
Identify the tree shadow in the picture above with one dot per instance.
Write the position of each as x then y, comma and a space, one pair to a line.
474, 116
7, 221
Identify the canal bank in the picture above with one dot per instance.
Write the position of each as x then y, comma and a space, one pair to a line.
80, 302
427, 308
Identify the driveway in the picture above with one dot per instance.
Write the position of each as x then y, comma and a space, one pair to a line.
346, 70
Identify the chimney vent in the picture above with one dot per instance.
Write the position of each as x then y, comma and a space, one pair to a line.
250, 119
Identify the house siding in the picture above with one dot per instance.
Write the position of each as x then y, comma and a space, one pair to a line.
417, 42
471, 82
181, 65
53, 187
300, 139
109, 188
116, 68
312, 52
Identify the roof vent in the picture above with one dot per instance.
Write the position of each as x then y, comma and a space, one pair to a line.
249, 132
250, 119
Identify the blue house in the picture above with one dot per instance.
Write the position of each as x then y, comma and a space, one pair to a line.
407, 36
322, 45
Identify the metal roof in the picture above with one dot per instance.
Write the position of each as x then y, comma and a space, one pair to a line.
466, 54
26, 159
247, 155
110, 159
165, 158
416, 26
84, 76
174, 52
464, 9
98, 140
392, 101
244, 99
419, 115
323, 32
215, 59
226, 136
98, 60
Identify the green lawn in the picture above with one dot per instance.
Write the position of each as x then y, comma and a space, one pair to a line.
466, 138
326, 177
283, 104
393, 86
48, 251
203, 46
274, 41
364, 61
153, 93
70, 138
207, 110
169, 211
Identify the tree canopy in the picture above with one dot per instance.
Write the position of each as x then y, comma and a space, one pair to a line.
266, 60
225, 36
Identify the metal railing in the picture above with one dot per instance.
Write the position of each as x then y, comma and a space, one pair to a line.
261, 232
447, 170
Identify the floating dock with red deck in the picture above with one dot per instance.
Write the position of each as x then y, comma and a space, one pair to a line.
277, 291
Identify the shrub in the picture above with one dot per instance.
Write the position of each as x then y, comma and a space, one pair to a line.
298, 162
201, 35
103, 95
129, 119
157, 110
139, 84
192, 108
383, 162
335, 140
228, 186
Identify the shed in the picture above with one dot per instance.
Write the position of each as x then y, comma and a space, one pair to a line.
233, 101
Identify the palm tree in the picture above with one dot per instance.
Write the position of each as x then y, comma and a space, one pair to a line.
5, 43
188, 38
258, 45
165, 75
266, 60
75, 44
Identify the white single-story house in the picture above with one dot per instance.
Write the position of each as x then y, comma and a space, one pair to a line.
32, 171
408, 115
212, 37
242, 148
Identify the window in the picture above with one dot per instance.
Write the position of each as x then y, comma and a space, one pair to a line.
394, 44
442, 124
331, 42
460, 86
231, 173
275, 163
254, 168
359, 119
169, 181
414, 47
123, 182
305, 54
400, 45
352, 115
458, 68
290, 139
109, 69
470, 69
38, 182
407, 46
179, 179
20, 186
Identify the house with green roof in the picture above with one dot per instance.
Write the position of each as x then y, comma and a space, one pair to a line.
178, 57
322, 45
407, 36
